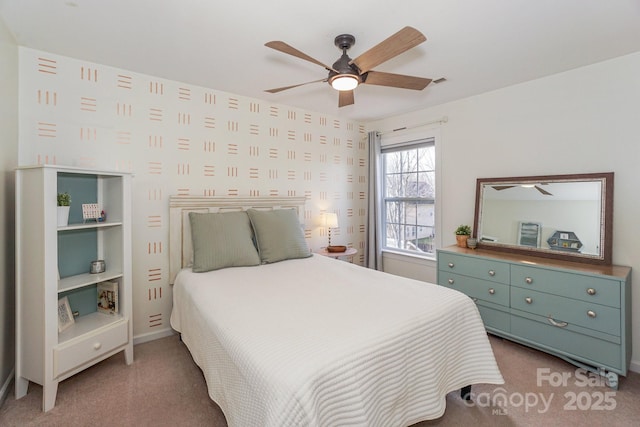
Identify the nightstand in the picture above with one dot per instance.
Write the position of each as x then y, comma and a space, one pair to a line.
350, 252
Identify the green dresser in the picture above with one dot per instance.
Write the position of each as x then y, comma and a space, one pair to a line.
579, 312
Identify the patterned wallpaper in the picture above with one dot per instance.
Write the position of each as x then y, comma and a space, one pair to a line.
182, 139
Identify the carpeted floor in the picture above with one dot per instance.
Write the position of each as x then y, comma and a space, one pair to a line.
163, 387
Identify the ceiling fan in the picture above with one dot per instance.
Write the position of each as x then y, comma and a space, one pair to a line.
346, 73
540, 189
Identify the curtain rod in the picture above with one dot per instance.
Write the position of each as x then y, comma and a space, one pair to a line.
444, 119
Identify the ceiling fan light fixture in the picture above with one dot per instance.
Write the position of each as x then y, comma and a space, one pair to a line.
344, 81
346, 74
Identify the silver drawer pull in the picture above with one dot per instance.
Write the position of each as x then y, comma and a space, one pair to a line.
474, 299
591, 291
558, 324
492, 273
528, 280
529, 300
451, 265
591, 313
450, 281
492, 291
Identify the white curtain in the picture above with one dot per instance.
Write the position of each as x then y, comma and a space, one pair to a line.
373, 257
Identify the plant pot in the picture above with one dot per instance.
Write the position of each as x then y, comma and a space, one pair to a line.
462, 240
63, 216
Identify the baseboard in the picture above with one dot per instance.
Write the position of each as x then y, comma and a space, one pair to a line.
634, 366
4, 391
151, 336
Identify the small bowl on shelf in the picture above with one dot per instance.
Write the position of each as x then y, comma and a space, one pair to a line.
335, 249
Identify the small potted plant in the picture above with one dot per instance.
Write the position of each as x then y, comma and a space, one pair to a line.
64, 204
462, 234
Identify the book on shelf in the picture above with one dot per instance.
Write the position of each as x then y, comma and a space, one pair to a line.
108, 297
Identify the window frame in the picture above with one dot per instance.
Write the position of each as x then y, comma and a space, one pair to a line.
407, 145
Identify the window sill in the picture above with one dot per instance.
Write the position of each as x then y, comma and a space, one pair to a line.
405, 255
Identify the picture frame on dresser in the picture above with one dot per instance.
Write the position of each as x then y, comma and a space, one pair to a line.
529, 233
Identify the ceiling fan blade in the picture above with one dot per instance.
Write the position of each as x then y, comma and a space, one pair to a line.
345, 98
396, 80
283, 47
394, 45
280, 89
502, 187
543, 191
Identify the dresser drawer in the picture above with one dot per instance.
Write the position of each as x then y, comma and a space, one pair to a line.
496, 293
495, 319
571, 285
588, 349
75, 353
560, 309
481, 268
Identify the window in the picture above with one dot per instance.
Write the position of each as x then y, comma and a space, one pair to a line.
409, 197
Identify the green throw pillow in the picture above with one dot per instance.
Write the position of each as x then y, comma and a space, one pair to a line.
278, 234
222, 240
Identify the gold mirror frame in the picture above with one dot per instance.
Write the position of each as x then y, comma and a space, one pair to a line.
606, 216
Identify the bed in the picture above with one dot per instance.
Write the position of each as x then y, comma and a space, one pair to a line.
307, 340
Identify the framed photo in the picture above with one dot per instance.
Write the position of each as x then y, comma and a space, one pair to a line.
529, 234
65, 316
107, 297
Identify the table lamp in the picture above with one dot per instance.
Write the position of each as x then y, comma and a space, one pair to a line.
331, 221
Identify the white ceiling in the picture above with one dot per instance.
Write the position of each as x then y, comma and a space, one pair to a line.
478, 45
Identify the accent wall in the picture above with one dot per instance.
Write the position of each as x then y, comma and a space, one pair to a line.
180, 139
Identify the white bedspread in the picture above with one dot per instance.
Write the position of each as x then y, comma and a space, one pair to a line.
320, 342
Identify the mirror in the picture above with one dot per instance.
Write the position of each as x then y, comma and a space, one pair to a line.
565, 217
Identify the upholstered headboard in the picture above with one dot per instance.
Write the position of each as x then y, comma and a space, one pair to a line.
180, 244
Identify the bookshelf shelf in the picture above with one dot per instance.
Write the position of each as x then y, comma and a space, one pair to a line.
86, 279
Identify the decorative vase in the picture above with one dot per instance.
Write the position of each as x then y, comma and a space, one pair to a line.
63, 216
472, 242
462, 240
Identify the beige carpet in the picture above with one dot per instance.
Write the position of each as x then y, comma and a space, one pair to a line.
163, 387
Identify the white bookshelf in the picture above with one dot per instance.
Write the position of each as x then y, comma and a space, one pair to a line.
53, 261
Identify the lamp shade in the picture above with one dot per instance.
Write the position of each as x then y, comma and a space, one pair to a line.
330, 220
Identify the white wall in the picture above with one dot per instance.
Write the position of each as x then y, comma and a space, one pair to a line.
182, 139
580, 121
8, 162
